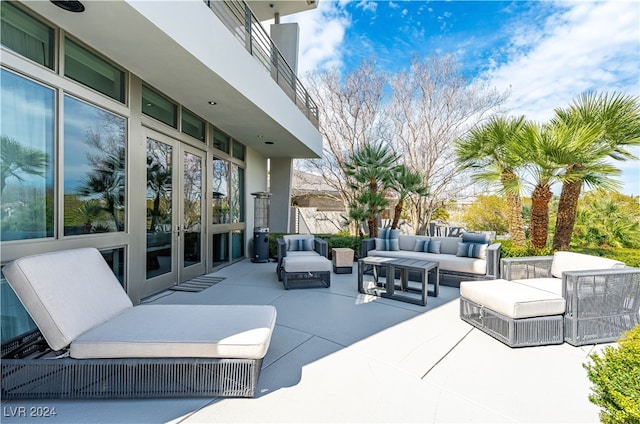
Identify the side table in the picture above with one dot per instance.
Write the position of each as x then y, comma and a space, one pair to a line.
342, 258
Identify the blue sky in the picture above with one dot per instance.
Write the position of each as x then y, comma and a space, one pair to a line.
545, 52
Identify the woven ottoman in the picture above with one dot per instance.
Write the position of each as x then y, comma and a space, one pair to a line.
305, 270
513, 313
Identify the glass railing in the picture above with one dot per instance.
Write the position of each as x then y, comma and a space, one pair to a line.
240, 20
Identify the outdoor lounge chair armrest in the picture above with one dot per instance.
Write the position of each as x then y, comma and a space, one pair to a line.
281, 248
526, 267
493, 260
604, 291
366, 245
321, 246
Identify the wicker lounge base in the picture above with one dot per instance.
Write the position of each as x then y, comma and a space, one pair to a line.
521, 332
40, 376
306, 279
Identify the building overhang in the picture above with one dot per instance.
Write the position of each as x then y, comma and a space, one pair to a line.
183, 50
266, 9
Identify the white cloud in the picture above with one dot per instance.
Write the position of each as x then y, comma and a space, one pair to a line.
370, 5
592, 46
321, 36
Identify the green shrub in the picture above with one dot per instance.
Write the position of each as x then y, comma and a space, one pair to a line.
616, 379
510, 250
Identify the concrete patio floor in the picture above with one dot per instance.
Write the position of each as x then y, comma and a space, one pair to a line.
338, 356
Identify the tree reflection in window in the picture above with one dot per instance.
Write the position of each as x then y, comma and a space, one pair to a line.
95, 154
220, 192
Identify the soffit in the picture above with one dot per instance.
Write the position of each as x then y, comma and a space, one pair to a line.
118, 31
265, 9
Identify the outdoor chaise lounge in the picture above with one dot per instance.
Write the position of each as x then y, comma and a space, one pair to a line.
572, 297
302, 258
101, 346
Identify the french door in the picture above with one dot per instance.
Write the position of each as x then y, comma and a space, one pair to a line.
175, 204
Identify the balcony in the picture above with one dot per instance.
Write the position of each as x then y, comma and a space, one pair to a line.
238, 17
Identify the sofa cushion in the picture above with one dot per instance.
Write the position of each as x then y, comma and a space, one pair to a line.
309, 263
387, 239
448, 245
552, 285
472, 250
446, 262
86, 293
408, 241
196, 331
299, 242
511, 299
570, 261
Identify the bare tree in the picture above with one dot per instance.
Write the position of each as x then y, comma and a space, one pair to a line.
352, 116
432, 105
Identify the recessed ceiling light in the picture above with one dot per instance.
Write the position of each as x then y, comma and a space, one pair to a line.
268, 142
212, 102
70, 5
260, 136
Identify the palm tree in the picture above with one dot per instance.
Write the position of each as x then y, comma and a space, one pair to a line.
490, 153
371, 168
618, 116
406, 184
16, 159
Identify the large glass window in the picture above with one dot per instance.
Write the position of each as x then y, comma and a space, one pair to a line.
27, 36
237, 194
220, 194
94, 169
27, 170
85, 67
192, 125
159, 107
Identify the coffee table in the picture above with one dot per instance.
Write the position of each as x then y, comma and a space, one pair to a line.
428, 271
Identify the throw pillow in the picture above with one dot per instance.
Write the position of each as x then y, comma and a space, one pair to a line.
475, 238
472, 250
387, 239
296, 245
421, 246
434, 246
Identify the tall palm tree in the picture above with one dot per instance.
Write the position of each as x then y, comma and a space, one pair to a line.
618, 116
490, 153
406, 183
16, 159
371, 168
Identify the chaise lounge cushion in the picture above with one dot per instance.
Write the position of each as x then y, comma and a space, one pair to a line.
306, 264
189, 331
86, 294
512, 299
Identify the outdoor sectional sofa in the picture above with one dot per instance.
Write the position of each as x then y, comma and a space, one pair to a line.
468, 257
572, 297
98, 345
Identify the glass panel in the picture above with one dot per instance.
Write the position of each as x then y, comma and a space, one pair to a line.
220, 195
27, 36
192, 209
85, 67
237, 242
26, 172
192, 125
15, 319
159, 107
238, 150
237, 194
220, 249
115, 259
221, 141
94, 169
159, 213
